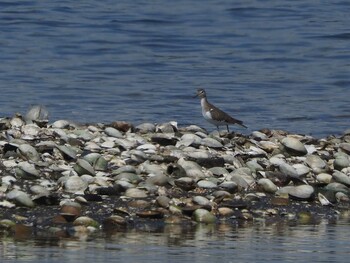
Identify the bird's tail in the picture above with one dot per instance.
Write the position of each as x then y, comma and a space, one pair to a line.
240, 123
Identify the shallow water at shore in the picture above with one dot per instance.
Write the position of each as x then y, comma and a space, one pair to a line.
276, 65
277, 242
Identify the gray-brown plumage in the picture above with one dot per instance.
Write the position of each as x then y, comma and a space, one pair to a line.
214, 115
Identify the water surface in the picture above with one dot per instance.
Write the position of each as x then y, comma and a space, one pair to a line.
258, 242
275, 64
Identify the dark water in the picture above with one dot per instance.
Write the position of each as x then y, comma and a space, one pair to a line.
275, 64
259, 242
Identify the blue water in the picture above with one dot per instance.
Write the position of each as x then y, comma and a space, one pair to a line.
274, 64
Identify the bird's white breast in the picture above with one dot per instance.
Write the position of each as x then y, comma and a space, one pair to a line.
207, 115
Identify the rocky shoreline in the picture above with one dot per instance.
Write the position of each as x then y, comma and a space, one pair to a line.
61, 178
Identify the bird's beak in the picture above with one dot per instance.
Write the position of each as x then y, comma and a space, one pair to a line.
195, 96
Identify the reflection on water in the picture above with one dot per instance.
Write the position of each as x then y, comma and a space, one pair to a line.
253, 242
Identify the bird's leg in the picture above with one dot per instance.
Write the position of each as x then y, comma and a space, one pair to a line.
228, 131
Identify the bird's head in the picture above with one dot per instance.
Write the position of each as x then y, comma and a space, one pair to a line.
200, 93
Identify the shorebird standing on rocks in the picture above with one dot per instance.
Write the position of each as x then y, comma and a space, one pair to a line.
214, 115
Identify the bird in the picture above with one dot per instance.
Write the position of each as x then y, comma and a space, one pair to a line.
214, 115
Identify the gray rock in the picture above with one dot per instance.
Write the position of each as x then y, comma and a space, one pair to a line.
212, 143
164, 139
206, 184
204, 216
28, 152
267, 185
112, 132
168, 127
337, 187
218, 171
84, 135
124, 143
39, 190
324, 178
229, 186
186, 183
341, 197
97, 161
20, 198
315, 162
30, 130
108, 144
146, 128
197, 154
201, 200
125, 169
61, 124
163, 201
36, 112
129, 177
301, 169
300, 192
67, 151
16, 122
151, 168
138, 156
289, 171
135, 193
160, 180
147, 148
293, 146
75, 184
8, 180
268, 146
27, 170
259, 135
192, 169
341, 161
345, 147
124, 184
83, 167
189, 139
254, 166
341, 178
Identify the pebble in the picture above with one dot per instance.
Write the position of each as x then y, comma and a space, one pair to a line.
315, 162
206, 184
28, 152
27, 170
20, 198
75, 184
145, 128
267, 185
201, 200
293, 146
341, 161
341, 178
84, 167
324, 178
119, 174
112, 132
160, 180
204, 216
136, 193
300, 192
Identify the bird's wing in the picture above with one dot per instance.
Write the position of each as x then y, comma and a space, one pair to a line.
220, 115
